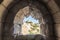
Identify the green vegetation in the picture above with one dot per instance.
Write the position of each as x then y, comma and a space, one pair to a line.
34, 27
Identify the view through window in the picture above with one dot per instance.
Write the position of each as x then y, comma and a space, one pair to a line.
30, 26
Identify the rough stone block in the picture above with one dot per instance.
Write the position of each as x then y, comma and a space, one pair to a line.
53, 6
57, 26
6, 2
2, 8
0, 31
57, 17
59, 38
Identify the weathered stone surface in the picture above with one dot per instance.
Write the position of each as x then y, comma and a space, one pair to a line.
0, 31
57, 26
2, 9
1, 1
6, 2
58, 38
58, 2
53, 6
57, 17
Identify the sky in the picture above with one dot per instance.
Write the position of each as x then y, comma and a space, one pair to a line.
17, 27
30, 18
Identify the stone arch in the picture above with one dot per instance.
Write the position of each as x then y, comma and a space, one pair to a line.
50, 6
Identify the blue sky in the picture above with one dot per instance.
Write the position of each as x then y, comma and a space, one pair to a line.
30, 18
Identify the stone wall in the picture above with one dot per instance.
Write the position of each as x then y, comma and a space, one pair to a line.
51, 5
56, 15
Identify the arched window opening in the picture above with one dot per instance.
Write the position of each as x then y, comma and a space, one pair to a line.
30, 26
27, 21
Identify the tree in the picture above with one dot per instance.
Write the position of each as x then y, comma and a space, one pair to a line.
34, 27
